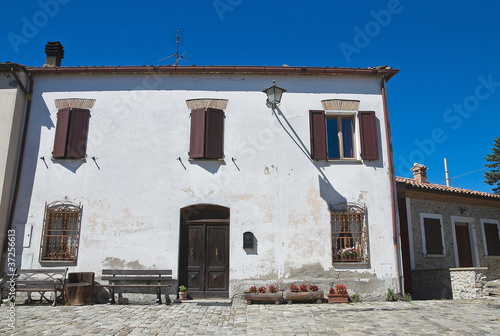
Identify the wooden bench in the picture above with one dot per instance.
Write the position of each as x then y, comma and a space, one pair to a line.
136, 279
36, 280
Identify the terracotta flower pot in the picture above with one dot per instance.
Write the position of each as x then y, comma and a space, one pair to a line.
183, 295
337, 298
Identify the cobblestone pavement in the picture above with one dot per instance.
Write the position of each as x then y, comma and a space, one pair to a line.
478, 317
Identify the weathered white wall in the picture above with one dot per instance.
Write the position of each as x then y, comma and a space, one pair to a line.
12, 109
132, 194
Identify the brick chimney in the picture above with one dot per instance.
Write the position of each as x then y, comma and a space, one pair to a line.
55, 53
419, 172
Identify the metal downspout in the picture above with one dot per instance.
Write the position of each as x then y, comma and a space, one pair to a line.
395, 224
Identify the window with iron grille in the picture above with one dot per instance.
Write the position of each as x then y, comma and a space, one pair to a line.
61, 230
349, 239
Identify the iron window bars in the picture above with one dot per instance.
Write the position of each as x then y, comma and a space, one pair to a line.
349, 232
60, 234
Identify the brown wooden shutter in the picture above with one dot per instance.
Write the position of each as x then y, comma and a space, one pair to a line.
492, 239
77, 133
61, 133
318, 134
433, 239
197, 142
369, 136
214, 134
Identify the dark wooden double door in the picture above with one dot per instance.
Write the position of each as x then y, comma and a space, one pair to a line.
204, 258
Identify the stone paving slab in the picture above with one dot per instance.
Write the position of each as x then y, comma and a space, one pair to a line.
467, 317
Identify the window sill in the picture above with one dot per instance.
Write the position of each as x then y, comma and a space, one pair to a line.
68, 159
350, 263
203, 159
58, 262
492, 256
344, 161
435, 255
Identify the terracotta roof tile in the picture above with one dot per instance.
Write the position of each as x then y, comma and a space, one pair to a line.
439, 187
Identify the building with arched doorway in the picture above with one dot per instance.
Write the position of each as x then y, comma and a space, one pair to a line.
186, 168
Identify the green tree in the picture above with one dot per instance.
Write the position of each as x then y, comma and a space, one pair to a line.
493, 176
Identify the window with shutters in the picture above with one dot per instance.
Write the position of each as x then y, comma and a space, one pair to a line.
60, 233
333, 135
349, 233
491, 237
432, 234
207, 134
71, 133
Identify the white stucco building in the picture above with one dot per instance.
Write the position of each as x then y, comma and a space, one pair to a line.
170, 167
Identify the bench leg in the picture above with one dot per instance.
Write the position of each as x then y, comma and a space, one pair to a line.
158, 296
112, 297
167, 299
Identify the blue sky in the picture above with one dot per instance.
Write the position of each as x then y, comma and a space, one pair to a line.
443, 103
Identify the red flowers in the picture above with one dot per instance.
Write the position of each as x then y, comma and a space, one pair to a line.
253, 289
303, 288
341, 289
262, 289
272, 289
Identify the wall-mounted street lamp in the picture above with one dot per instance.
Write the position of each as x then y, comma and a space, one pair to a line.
274, 94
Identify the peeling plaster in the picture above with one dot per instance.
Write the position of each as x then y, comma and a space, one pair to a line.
361, 196
116, 263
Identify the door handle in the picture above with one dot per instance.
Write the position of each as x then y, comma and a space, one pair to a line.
217, 252
192, 253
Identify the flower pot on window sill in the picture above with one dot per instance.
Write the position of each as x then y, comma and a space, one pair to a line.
337, 298
316, 296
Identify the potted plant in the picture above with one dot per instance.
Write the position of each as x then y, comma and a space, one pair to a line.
183, 292
304, 293
261, 294
338, 295
349, 254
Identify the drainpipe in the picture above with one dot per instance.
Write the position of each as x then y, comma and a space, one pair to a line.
395, 224
28, 95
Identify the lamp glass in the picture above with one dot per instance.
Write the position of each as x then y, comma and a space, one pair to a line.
274, 94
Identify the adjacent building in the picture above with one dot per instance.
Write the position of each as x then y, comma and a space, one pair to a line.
444, 229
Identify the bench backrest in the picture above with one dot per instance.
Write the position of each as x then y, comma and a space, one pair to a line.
40, 278
41, 274
136, 275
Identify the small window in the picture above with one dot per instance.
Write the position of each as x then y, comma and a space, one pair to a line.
71, 133
334, 137
207, 132
349, 239
60, 232
432, 234
491, 237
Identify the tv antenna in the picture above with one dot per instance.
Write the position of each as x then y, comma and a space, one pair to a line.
176, 55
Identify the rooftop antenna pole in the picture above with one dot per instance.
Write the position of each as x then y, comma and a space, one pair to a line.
447, 176
176, 55
177, 49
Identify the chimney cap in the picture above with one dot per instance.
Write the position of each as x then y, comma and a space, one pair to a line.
419, 172
54, 49
418, 167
